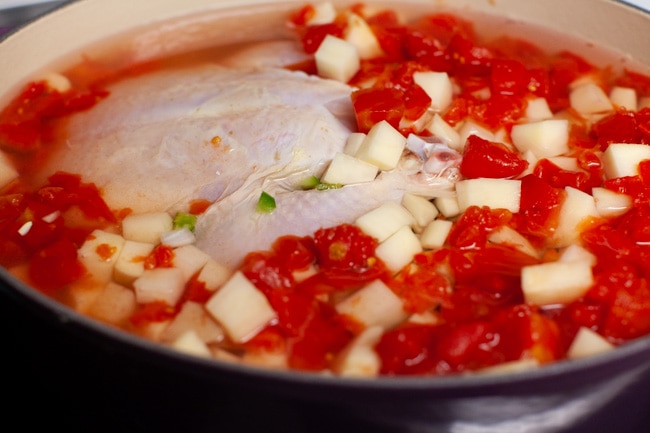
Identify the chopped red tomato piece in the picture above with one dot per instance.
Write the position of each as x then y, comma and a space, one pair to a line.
482, 158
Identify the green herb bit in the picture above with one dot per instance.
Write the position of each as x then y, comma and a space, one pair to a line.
184, 220
266, 203
327, 186
310, 183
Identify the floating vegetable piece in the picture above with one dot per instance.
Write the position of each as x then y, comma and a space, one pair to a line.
266, 203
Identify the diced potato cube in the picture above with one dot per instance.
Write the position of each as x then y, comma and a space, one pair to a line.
99, 253
240, 308
385, 220
435, 234
505, 235
160, 284
578, 208
114, 305
589, 98
422, 209
147, 227
214, 275
537, 109
469, 128
359, 34
444, 131
193, 317
324, 13
8, 172
556, 282
622, 159
437, 86
494, 193
359, 358
577, 253
383, 146
130, 263
588, 343
57, 82
190, 260
398, 250
374, 305
545, 138
191, 344
353, 143
623, 97
346, 170
337, 59
609, 203
448, 206
511, 367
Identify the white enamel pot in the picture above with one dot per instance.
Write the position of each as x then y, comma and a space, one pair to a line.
71, 363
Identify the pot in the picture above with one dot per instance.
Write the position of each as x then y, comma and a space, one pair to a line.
83, 375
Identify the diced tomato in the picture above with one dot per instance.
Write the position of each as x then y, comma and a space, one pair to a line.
152, 312
55, 266
295, 252
313, 36
471, 230
347, 255
539, 206
162, 256
373, 105
509, 77
482, 158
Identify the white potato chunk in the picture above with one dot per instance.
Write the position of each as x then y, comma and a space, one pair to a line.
353, 143
517, 366
537, 109
437, 86
622, 159
193, 317
359, 358
147, 227
589, 98
469, 128
8, 172
623, 97
359, 34
494, 193
190, 260
57, 81
130, 263
577, 209
160, 284
588, 343
448, 206
435, 234
346, 170
385, 220
214, 275
577, 253
422, 209
191, 344
114, 305
398, 250
505, 235
324, 13
240, 308
439, 128
544, 138
383, 146
556, 282
374, 305
99, 253
610, 204
337, 59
